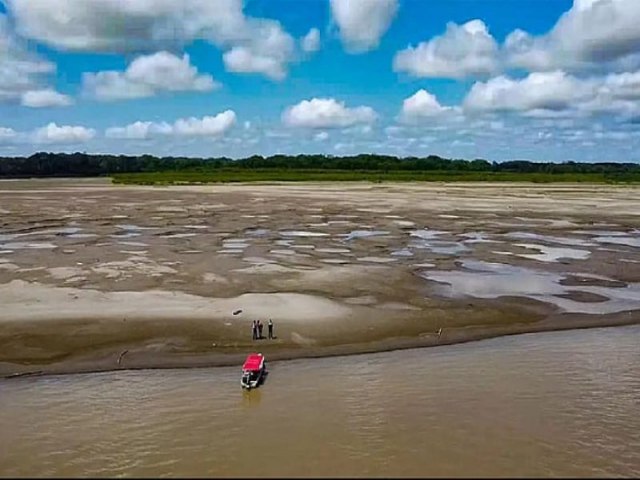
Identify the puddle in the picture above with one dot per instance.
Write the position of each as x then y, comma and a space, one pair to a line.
283, 243
126, 235
82, 235
619, 240
579, 242
405, 252
302, 233
256, 232
443, 215
597, 233
377, 259
133, 244
335, 261
493, 280
441, 247
231, 251
196, 227
404, 223
333, 250
27, 245
179, 235
477, 237
364, 234
424, 265
426, 234
134, 227
304, 247
552, 254
235, 246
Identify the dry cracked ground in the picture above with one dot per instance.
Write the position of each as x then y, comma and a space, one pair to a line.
95, 276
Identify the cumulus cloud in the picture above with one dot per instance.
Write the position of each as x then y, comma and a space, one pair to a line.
463, 50
7, 134
538, 91
321, 136
556, 94
52, 133
422, 105
148, 25
20, 70
362, 23
46, 97
244, 60
592, 33
146, 76
326, 113
208, 126
268, 53
311, 41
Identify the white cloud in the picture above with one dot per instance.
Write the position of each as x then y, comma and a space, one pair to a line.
321, 136
205, 126
20, 71
462, 51
422, 105
147, 25
46, 97
244, 60
146, 76
553, 91
592, 33
7, 134
557, 94
362, 23
208, 126
138, 130
311, 41
52, 133
326, 113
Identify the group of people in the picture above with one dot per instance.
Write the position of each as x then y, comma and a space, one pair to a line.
256, 330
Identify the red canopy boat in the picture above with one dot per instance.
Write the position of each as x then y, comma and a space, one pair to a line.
253, 371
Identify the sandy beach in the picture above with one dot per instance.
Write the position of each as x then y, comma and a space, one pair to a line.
98, 277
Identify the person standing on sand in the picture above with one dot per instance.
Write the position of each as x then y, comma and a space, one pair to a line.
259, 329
254, 330
270, 329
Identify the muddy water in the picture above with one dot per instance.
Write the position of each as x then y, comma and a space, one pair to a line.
552, 404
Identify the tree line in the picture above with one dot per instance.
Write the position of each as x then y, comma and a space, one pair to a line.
84, 165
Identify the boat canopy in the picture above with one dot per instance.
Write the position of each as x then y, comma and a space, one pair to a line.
253, 362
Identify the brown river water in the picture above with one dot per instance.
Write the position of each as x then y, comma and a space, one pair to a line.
549, 404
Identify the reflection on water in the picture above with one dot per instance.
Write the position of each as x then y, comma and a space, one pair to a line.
552, 404
492, 280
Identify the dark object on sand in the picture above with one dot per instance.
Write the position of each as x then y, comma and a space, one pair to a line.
236, 312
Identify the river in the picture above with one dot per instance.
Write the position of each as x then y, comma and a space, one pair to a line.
547, 404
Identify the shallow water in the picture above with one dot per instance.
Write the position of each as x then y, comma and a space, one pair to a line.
551, 404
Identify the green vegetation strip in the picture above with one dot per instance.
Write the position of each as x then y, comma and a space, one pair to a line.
308, 175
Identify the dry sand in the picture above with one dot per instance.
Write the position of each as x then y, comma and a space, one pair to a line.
95, 276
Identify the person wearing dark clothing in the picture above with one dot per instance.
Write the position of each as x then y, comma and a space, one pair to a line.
270, 328
259, 329
254, 330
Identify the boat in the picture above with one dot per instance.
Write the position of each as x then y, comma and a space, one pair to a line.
253, 371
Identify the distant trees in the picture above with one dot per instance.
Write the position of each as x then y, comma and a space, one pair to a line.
44, 164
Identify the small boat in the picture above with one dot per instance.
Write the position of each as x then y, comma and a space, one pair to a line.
253, 371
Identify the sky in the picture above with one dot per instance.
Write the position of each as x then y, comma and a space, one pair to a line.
541, 80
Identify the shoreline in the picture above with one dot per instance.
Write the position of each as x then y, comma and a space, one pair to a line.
98, 363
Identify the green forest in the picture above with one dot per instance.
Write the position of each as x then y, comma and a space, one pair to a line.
148, 169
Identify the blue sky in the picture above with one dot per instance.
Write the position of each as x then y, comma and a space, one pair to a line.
498, 79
